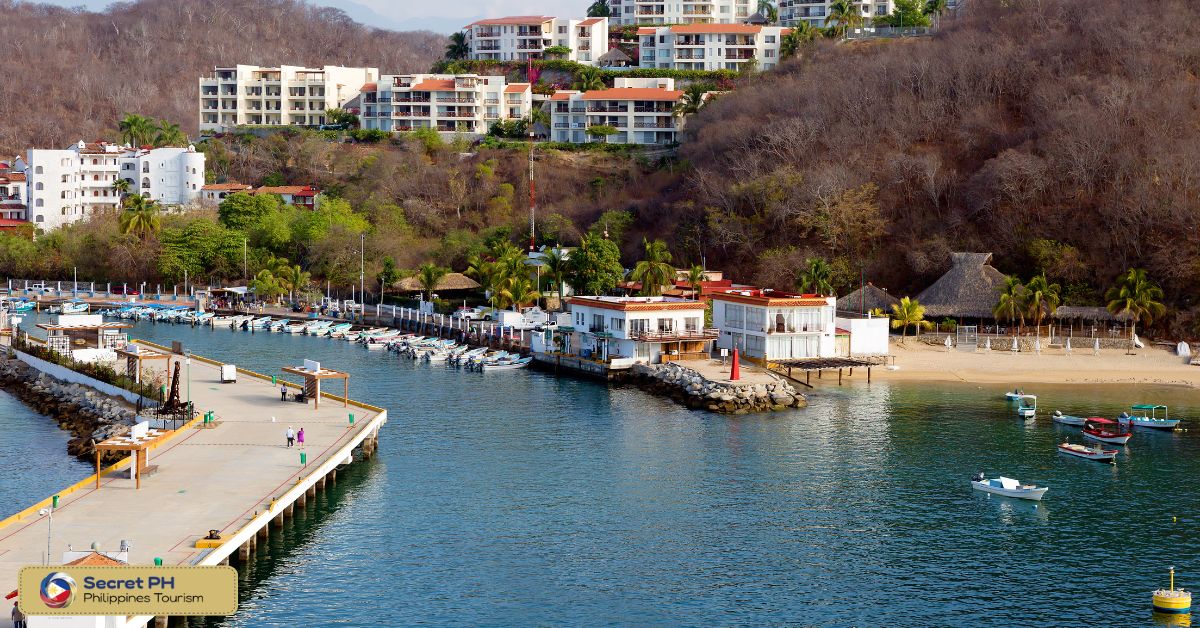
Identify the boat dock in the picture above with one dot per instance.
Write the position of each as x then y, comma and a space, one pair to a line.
231, 477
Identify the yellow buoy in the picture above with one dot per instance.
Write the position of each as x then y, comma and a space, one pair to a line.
1172, 600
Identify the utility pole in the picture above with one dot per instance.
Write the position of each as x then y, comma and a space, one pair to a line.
362, 272
245, 246
532, 195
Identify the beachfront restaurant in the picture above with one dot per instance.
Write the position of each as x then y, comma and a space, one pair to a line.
770, 325
648, 330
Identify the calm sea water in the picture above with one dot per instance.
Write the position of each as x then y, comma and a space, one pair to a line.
521, 499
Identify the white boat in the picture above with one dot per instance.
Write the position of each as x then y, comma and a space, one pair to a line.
1008, 487
259, 323
1014, 395
280, 324
1067, 419
1146, 415
295, 328
1027, 406
221, 321
318, 328
1096, 452
506, 365
202, 317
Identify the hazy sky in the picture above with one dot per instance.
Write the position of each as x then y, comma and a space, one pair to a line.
437, 15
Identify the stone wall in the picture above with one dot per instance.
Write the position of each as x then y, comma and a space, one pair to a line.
691, 389
81, 410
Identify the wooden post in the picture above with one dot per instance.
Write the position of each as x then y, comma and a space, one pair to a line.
97, 469
808, 378
346, 393
839, 377
868, 375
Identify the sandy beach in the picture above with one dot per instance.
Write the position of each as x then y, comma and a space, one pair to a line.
917, 361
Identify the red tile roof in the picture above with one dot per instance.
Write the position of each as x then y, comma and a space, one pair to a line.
645, 30
434, 85
635, 305
226, 187
294, 190
633, 93
368, 87
722, 29
11, 223
563, 95
755, 296
96, 559
13, 176
516, 20
591, 21
516, 88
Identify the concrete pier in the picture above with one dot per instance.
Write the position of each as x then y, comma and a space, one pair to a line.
235, 478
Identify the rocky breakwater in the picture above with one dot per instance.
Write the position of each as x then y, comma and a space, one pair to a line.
693, 390
87, 414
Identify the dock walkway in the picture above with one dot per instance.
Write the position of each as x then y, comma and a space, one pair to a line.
236, 477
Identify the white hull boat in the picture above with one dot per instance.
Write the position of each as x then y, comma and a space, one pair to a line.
1067, 419
1008, 487
1097, 453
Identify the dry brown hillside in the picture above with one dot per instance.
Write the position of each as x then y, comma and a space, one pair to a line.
69, 74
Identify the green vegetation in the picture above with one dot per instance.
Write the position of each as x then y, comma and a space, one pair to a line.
137, 130
1136, 296
654, 271
1041, 299
908, 13
722, 78
595, 267
430, 275
96, 370
457, 48
909, 313
1011, 304
599, 8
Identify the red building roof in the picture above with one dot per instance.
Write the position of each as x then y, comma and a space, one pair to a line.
515, 20
633, 93
434, 85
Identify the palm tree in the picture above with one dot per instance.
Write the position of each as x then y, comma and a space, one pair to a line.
457, 48
1041, 299
843, 15
588, 79
935, 9
801, 35
655, 271
816, 278
768, 10
1137, 297
169, 134
599, 8
483, 270
430, 275
695, 278
295, 279
555, 264
266, 285
140, 217
1010, 306
519, 290
387, 276
692, 101
136, 130
121, 187
909, 313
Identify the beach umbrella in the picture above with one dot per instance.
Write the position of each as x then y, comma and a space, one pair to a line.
948, 343
1097, 346
1068, 345
1014, 347
1037, 345
987, 345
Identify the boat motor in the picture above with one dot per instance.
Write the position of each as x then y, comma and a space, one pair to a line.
978, 477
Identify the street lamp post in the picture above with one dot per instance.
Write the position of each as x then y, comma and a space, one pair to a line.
49, 514
188, 362
362, 275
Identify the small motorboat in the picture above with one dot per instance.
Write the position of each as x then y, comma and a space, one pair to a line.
1067, 419
1027, 406
1008, 487
1097, 453
1105, 431
1146, 415
1014, 395
222, 321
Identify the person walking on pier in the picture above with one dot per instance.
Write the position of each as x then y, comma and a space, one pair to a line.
291, 437
283, 392
300, 438
18, 618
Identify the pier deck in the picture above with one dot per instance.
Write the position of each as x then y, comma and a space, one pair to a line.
223, 478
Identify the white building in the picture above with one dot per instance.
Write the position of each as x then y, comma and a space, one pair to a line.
283, 96
523, 37
214, 193
816, 13
626, 12
646, 329
710, 46
774, 325
641, 110
63, 186
463, 103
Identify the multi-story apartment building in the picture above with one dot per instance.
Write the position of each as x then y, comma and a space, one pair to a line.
63, 186
641, 110
710, 46
283, 96
773, 324
12, 195
464, 103
816, 12
523, 37
625, 12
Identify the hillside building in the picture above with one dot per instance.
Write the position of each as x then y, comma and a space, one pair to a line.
710, 46
280, 96
63, 186
641, 110
463, 103
767, 324
523, 37
816, 12
657, 12
648, 330
12, 196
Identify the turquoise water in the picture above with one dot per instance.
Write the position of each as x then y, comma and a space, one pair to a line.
519, 499
35, 457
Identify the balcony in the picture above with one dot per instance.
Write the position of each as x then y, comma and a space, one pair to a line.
488, 34
526, 46
688, 55
470, 100
529, 32
675, 336
608, 109
455, 114
642, 109
666, 125
739, 41
742, 55
409, 98
491, 101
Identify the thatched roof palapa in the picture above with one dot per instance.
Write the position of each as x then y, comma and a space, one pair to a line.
865, 299
1092, 313
615, 57
452, 281
971, 288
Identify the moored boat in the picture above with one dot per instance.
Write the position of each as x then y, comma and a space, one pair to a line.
1067, 419
1014, 395
1096, 453
1008, 487
1105, 431
1027, 406
1146, 415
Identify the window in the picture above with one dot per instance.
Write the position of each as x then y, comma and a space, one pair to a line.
95, 177
691, 323
95, 162
616, 324
146, 167
580, 321
562, 30
38, 186
755, 345
597, 323
38, 170
770, 39
39, 203
638, 326
735, 316
756, 318
39, 218
666, 325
